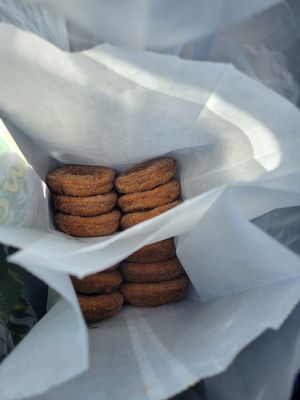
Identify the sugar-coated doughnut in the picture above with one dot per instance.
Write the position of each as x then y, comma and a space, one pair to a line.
154, 252
155, 294
134, 218
101, 282
99, 225
149, 199
99, 307
146, 176
81, 180
151, 272
85, 206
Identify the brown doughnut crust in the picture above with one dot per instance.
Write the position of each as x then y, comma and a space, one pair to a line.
99, 307
154, 294
152, 272
101, 283
100, 225
85, 206
146, 176
154, 252
81, 180
159, 196
134, 218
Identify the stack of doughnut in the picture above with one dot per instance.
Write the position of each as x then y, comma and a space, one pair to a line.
85, 206
84, 200
153, 275
98, 294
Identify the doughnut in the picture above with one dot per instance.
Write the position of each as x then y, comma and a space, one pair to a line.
85, 206
146, 176
81, 180
154, 252
134, 218
152, 272
102, 282
159, 196
98, 307
155, 294
99, 225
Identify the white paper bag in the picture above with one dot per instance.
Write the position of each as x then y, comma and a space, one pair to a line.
268, 367
237, 146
